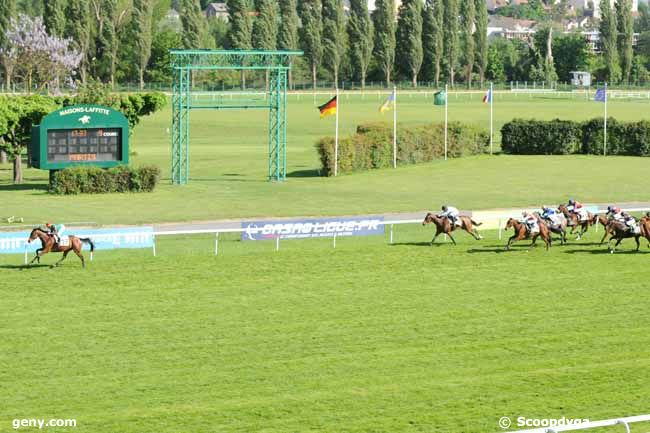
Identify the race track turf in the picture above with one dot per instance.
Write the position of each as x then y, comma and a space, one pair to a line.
365, 338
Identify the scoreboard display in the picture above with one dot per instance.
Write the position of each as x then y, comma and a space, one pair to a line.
80, 135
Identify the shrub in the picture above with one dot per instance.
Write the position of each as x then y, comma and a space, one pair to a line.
93, 180
558, 137
372, 146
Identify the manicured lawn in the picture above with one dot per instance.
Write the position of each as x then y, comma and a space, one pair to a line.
228, 167
365, 338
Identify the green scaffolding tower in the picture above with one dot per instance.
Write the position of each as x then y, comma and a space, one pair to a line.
276, 63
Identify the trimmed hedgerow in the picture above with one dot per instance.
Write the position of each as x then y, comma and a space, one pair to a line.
94, 180
372, 146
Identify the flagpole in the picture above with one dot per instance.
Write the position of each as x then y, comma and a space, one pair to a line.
394, 126
336, 136
605, 124
446, 116
491, 116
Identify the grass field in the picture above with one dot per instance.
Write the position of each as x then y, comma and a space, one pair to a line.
365, 338
229, 166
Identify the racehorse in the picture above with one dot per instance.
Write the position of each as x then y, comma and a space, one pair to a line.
521, 232
574, 222
619, 232
444, 225
50, 246
559, 229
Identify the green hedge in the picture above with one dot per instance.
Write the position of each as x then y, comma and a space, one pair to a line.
561, 137
372, 146
93, 180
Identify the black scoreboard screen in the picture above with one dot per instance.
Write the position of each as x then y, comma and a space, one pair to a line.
79, 145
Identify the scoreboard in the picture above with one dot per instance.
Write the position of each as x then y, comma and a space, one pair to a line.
80, 135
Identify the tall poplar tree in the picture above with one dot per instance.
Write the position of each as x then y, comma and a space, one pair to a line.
240, 35
625, 36
480, 38
193, 24
609, 41
469, 21
432, 39
451, 40
409, 39
54, 17
288, 32
142, 22
311, 34
78, 29
265, 29
360, 39
384, 47
333, 36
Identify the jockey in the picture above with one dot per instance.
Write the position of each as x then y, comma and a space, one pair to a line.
531, 222
578, 210
450, 212
614, 213
551, 215
631, 223
56, 231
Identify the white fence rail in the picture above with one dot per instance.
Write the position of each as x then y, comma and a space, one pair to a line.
589, 425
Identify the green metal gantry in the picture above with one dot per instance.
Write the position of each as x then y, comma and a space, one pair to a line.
277, 63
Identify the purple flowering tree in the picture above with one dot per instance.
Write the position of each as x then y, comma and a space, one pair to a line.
40, 59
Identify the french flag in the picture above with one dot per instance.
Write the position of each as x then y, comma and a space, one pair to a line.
488, 97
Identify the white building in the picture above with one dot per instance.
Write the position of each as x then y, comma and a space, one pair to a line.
594, 5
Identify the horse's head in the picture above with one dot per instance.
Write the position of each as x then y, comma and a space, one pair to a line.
511, 223
428, 218
35, 234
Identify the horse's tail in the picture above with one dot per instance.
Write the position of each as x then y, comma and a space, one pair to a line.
89, 242
477, 224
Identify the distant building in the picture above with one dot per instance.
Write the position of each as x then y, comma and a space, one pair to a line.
593, 6
217, 10
511, 28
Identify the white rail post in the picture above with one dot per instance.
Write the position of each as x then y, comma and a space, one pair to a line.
154, 245
334, 241
277, 243
500, 229
391, 234
25, 253
627, 426
216, 244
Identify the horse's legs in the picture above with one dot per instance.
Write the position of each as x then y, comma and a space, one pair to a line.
535, 236
511, 240
81, 256
638, 245
37, 258
452, 238
65, 254
618, 241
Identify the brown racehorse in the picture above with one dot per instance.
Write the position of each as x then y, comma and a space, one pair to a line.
644, 223
574, 222
559, 229
619, 232
521, 232
50, 246
444, 225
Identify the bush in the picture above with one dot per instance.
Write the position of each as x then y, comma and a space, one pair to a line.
372, 146
93, 180
558, 137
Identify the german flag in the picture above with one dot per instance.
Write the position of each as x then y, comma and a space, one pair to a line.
328, 108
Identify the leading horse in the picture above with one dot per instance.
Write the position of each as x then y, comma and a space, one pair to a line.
49, 245
444, 225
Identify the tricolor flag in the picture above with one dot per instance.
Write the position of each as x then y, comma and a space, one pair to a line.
388, 104
601, 95
328, 108
488, 97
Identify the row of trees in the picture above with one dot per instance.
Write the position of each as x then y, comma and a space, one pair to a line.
617, 38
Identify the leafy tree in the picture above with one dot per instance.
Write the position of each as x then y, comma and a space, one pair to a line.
360, 39
333, 36
78, 29
410, 53
609, 41
495, 70
265, 28
625, 36
384, 46
193, 24
54, 17
160, 61
311, 34
469, 19
451, 37
642, 23
288, 32
570, 53
432, 38
142, 34
241, 28
480, 38
7, 58
544, 70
